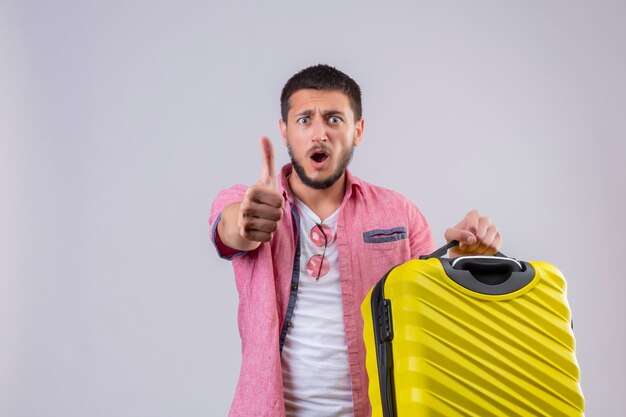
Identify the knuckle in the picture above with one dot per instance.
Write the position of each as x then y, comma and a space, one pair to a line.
249, 192
246, 204
249, 223
277, 200
244, 223
245, 226
252, 192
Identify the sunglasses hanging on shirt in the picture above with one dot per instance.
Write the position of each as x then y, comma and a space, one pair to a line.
318, 266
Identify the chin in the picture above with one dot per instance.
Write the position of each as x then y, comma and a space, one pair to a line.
321, 179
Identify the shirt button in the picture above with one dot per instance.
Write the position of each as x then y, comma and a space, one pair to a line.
294, 286
290, 324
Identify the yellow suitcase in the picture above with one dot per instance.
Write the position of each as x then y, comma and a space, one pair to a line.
471, 336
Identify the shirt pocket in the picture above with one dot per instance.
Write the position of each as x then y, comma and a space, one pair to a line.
385, 239
382, 249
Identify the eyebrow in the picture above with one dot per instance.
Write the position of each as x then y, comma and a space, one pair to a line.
325, 113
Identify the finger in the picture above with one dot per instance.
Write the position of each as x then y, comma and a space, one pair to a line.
464, 237
486, 245
260, 194
471, 221
257, 236
256, 229
251, 224
261, 211
481, 230
268, 169
497, 243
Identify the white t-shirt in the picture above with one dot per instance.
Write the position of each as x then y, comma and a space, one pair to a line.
315, 366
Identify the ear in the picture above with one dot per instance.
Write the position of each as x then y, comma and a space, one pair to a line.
358, 132
283, 130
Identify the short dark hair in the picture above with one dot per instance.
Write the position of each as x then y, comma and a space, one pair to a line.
325, 78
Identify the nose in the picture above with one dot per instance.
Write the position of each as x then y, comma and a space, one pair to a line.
318, 130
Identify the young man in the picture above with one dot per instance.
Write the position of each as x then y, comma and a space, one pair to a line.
307, 244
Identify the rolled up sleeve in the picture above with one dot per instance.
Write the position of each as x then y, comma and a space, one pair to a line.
224, 198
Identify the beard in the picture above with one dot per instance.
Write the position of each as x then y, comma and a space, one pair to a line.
322, 183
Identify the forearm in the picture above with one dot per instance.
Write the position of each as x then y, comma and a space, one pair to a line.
229, 230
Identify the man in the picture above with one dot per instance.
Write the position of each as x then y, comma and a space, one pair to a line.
307, 244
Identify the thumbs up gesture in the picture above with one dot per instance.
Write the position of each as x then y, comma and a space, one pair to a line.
262, 206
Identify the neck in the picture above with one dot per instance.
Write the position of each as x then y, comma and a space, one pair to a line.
323, 202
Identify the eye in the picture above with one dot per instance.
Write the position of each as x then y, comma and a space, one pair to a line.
304, 120
334, 120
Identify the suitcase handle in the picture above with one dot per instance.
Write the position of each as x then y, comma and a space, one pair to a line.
494, 275
489, 270
442, 251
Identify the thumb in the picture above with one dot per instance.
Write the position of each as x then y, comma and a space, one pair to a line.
268, 169
466, 239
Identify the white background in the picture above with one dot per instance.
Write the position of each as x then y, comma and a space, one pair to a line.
120, 121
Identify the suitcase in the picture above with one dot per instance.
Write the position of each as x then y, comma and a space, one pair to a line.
471, 336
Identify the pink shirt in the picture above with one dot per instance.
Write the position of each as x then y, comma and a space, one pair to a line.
376, 230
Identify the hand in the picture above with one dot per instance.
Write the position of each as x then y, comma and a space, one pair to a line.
476, 235
262, 206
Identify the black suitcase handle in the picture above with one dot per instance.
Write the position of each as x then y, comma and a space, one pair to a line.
442, 251
494, 275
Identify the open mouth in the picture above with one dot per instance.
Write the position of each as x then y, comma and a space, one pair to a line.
319, 156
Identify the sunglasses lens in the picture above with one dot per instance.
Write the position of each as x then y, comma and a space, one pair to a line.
318, 266
317, 235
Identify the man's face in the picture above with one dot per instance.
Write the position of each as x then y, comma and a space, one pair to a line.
320, 134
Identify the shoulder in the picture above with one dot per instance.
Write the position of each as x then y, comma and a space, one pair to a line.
375, 193
235, 191
380, 201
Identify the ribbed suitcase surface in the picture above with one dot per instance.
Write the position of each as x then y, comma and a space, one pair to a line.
459, 352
